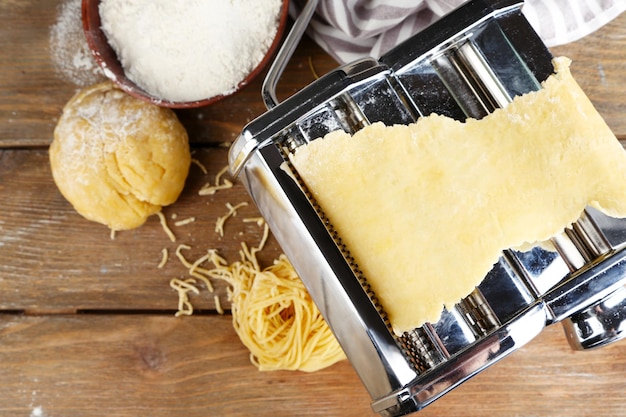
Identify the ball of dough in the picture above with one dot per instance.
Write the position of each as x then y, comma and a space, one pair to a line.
118, 159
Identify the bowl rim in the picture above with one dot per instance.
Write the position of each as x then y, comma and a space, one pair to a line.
109, 63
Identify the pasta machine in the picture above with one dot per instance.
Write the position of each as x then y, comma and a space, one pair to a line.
472, 61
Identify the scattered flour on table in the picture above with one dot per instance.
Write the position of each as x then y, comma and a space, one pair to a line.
37, 412
69, 51
191, 50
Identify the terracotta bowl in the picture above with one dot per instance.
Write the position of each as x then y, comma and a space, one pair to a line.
108, 61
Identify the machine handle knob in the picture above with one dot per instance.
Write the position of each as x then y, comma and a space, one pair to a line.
598, 325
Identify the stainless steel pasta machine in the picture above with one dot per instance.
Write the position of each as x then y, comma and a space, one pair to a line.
465, 65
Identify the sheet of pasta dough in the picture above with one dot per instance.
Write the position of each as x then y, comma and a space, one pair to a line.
426, 209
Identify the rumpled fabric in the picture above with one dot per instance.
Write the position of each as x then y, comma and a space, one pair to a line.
353, 29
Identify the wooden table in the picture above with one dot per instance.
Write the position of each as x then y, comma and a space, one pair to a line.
87, 324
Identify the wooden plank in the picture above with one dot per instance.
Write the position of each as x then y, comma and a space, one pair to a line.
30, 93
599, 66
52, 259
101, 365
159, 366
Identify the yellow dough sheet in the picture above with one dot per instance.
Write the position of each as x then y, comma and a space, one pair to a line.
426, 209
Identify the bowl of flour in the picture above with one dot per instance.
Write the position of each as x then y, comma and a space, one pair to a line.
183, 54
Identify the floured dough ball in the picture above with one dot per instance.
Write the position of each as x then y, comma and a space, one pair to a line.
117, 159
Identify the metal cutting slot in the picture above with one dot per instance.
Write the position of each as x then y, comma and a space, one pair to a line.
470, 79
453, 331
384, 100
424, 348
504, 61
426, 92
483, 76
349, 113
459, 83
476, 311
581, 243
568, 250
541, 267
591, 237
506, 289
320, 123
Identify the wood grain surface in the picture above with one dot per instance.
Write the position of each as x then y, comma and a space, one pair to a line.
87, 324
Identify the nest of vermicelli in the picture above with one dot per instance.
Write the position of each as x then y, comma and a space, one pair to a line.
274, 315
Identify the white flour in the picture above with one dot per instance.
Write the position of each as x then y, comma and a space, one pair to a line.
188, 50
37, 412
68, 47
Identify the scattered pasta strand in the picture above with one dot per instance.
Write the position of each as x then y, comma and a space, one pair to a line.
220, 184
260, 221
193, 268
218, 305
186, 284
165, 227
200, 165
201, 275
312, 68
164, 256
183, 288
232, 211
185, 221
250, 254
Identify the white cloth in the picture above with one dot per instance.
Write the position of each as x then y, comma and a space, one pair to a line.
352, 29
